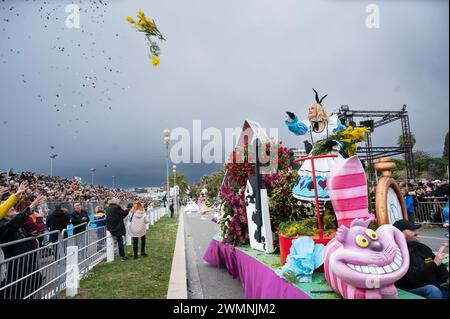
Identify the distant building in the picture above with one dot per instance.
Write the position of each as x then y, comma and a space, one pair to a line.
139, 190
154, 193
298, 152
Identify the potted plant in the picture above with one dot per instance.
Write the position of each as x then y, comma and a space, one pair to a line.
288, 231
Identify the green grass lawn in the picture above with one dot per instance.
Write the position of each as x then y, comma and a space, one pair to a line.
145, 277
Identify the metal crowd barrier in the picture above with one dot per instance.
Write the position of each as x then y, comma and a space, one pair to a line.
33, 274
43, 270
41, 273
430, 212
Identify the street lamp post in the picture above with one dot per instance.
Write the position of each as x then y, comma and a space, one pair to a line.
166, 139
92, 175
52, 157
175, 202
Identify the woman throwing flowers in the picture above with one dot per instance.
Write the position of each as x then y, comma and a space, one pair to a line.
318, 127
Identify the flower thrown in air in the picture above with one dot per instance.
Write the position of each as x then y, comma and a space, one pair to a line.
152, 34
155, 60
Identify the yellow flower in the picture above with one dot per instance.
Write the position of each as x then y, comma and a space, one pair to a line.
140, 14
150, 23
142, 24
155, 60
130, 19
352, 150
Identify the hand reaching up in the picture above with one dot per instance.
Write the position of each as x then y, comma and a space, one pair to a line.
38, 201
22, 188
291, 115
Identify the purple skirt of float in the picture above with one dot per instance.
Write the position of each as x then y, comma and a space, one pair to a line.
258, 280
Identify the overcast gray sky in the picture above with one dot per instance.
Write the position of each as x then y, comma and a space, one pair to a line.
92, 94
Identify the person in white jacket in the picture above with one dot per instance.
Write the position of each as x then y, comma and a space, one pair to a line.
137, 219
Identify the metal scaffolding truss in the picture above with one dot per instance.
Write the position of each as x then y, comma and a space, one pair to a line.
376, 119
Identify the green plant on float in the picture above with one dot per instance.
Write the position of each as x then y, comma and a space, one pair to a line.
283, 206
308, 227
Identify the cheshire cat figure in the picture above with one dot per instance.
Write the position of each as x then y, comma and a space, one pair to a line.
363, 264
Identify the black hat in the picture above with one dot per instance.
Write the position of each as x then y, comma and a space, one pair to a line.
403, 224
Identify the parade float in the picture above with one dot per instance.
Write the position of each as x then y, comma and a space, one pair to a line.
308, 234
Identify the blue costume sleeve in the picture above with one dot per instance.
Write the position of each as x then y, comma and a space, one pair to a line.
340, 126
296, 127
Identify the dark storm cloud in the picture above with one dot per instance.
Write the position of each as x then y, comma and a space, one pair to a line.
92, 94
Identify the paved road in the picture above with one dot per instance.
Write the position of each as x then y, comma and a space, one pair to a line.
433, 237
205, 281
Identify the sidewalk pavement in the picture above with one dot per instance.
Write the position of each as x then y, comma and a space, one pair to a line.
178, 282
433, 237
205, 281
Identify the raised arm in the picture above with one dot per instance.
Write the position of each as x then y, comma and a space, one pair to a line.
7, 229
296, 127
13, 199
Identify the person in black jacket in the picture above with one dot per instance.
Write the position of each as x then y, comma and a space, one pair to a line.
426, 272
57, 220
171, 209
11, 230
78, 217
115, 225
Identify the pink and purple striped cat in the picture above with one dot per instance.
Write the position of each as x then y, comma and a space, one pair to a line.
361, 263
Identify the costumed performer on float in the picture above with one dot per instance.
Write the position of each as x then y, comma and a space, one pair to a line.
317, 127
203, 202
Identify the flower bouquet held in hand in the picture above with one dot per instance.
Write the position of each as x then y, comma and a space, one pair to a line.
347, 139
148, 26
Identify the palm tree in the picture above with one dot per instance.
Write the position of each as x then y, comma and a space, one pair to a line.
181, 182
213, 182
406, 141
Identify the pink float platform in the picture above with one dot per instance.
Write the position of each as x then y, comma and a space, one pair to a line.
256, 271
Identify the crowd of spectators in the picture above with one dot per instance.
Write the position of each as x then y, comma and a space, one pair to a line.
427, 190
24, 215
424, 200
424, 191
57, 189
